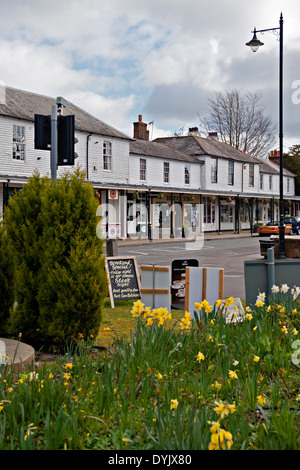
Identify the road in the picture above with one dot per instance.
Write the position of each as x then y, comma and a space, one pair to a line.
228, 254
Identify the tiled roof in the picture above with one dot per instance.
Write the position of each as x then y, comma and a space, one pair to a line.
267, 166
195, 145
24, 105
155, 149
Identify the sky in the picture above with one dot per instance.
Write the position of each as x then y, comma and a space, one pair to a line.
163, 59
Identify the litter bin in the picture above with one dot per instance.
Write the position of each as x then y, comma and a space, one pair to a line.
264, 245
111, 247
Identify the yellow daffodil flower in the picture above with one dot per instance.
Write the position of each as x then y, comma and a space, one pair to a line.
174, 404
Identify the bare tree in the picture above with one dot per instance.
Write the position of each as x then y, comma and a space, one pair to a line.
239, 121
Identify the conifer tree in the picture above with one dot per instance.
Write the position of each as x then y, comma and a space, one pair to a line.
73, 280
58, 264
24, 230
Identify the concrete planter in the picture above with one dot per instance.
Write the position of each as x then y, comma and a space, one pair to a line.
261, 275
292, 246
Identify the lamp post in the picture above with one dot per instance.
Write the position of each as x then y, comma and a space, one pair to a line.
255, 44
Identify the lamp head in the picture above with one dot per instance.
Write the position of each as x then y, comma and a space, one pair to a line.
254, 43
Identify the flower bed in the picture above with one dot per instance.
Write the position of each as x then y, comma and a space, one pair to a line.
194, 384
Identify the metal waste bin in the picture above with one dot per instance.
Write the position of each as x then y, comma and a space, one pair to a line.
264, 245
111, 247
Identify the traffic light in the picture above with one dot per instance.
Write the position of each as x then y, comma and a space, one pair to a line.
65, 137
42, 134
65, 140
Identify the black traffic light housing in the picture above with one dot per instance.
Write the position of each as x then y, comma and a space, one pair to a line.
65, 140
65, 137
42, 132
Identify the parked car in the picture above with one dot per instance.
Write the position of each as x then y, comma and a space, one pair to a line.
273, 229
293, 222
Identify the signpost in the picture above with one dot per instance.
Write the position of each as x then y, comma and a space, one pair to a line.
123, 278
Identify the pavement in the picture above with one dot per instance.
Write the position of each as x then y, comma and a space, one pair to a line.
21, 355
207, 236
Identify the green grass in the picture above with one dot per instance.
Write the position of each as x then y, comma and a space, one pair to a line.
118, 321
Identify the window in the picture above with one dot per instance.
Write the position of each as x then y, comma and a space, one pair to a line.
251, 174
166, 172
19, 142
230, 172
214, 170
288, 185
187, 174
270, 182
143, 169
107, 154
261, 181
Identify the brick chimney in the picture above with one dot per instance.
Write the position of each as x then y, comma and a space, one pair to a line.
140, 130
194, 131
275, 157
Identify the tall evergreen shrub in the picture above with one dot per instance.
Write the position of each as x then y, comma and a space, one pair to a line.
60, 281
24, 229
73, 280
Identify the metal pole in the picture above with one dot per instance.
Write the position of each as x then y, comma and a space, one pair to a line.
281, 204
53, 152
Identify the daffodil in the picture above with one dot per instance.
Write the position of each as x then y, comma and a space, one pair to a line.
174, 404
249, 316
137, 309
198, 305
221, 409
284, 288
259, 303
200, 356
229, 301
232, 374
256, 358
275, 289
261, 399
185, 322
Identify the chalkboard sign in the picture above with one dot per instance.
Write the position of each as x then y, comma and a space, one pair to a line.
123, 278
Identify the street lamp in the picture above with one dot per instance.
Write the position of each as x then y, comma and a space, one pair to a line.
255, 44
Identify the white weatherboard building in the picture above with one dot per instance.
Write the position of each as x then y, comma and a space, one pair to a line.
147, 188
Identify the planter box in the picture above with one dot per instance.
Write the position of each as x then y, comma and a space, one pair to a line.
292, 246
260, 275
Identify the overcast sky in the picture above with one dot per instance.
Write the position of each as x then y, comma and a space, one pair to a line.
162, 58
